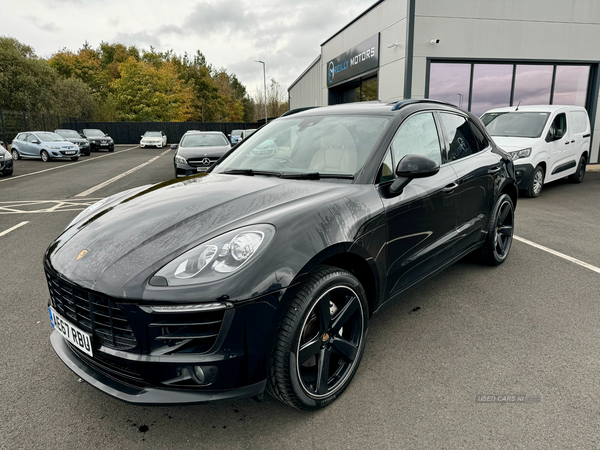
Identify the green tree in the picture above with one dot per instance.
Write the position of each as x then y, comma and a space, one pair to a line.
145, 93
25, 80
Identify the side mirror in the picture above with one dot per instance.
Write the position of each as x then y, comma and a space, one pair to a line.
558, 134
413, 166
174, 146
36, 142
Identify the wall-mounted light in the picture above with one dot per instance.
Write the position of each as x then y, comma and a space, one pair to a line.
393, 44
434, 41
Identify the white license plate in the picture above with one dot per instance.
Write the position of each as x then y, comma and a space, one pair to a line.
103, 144
77, 337
70, 153
201, 169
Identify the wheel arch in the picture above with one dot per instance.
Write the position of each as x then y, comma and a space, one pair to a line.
511, 190
356, 260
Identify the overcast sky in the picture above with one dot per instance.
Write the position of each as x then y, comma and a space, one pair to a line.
286, 34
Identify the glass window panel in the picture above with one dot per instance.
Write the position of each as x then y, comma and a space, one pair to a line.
532, 85
418, 136
460, 135
570, 85
450, 83
491, 87
368, 90
386, 172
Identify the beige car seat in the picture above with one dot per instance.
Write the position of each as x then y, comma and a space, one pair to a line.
337, 153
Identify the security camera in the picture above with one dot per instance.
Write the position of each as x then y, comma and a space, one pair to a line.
434, 41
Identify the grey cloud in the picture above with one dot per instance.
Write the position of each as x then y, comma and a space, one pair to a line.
142, 38
46, 26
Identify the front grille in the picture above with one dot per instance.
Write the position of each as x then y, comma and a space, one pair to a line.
186, 333
199, 162
93, 313
110, 368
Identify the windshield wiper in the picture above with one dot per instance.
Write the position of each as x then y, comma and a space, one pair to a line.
290, 175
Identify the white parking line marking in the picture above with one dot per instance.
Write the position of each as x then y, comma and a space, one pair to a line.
118, 177
44, 206
13, 228
68, 165
560, 255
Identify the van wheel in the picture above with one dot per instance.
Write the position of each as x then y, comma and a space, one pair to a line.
535, 184
577, 177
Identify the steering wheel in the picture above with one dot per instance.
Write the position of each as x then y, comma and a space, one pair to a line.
286, 160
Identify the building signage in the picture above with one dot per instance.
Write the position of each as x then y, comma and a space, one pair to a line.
357, 60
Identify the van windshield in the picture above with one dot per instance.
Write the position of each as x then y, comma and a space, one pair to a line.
515, 124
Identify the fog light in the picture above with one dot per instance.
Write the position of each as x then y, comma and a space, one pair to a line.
205, 375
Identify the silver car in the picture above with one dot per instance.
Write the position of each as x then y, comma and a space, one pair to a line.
44, 145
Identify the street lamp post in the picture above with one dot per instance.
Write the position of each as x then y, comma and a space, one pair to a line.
265, 77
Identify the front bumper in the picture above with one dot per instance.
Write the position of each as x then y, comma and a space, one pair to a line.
523, 174
145, 395
151, 144
6, 165
95, 146
185, 170
59, 154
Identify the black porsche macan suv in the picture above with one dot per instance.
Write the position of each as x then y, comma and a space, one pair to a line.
263, 273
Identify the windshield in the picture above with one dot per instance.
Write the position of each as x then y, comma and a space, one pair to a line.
314, 144
94, 133
515, 124
204, 140
69, 134
49, 137
236, 133
152, 134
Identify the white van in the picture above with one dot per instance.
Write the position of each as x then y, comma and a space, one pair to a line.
546, 142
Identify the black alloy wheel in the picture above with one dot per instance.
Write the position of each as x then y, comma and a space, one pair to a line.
499, 238
45, 156
577, 177
321, 340
15, 154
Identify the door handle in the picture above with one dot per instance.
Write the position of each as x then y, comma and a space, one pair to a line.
450, 188
493, 170
573, 141
567, 143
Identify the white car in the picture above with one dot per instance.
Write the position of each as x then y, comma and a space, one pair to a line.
153, 139
546, 142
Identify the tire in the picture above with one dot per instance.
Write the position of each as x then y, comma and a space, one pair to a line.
110, 150
15, 154
536, 183
8, 172
577, 177
74, 158
45, 156
325, 327
498, 241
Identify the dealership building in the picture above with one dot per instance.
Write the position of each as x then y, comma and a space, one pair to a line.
477, 55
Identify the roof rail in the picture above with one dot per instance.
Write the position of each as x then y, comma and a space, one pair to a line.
402, 103
297, 110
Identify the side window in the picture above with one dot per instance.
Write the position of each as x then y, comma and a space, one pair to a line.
460, 136
559, 124
418, 136
386, 171
31, 138
19, 137
482, 142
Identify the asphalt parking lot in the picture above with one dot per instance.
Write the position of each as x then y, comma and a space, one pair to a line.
527, 328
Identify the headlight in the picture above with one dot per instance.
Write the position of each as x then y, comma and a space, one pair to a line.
216, 259
53, 147
520, 154
180, 159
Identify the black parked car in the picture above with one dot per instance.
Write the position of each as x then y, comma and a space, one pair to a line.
98, 140
75, 138
197, 151
6, 161
264, 272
